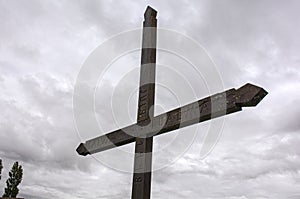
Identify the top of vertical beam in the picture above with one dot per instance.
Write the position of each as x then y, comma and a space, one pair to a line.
150, 17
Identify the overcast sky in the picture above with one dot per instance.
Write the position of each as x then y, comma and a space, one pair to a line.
44, 45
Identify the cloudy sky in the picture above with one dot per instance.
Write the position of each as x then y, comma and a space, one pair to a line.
45, 45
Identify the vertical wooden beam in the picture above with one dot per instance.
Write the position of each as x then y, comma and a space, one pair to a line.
141, 186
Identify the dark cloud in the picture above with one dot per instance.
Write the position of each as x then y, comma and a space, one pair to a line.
44, 44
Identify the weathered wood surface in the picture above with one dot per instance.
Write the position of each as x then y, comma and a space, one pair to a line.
141, 185
205, 109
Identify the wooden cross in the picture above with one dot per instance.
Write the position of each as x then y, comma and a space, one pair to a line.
147, 125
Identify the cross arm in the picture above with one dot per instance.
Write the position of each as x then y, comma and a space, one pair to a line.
202, 110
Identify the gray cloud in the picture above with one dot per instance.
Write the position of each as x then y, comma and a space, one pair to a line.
44, 44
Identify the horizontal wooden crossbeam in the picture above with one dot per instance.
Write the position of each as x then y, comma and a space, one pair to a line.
202, 110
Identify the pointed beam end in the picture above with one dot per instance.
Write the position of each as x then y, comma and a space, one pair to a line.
250, 95
81, 150
150, 12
